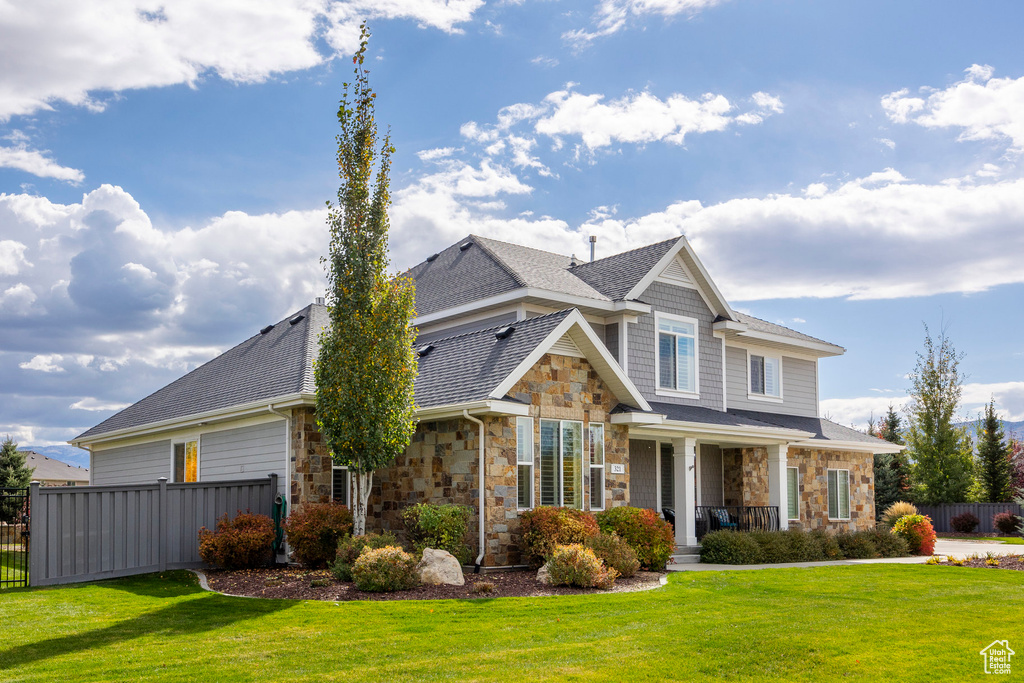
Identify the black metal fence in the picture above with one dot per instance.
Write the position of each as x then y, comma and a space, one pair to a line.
14, 537
736, 518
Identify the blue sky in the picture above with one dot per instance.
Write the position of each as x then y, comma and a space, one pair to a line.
851, 170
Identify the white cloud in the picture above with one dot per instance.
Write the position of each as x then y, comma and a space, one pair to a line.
541, 60
21, 158
983, 107
612, 16
61, 51
891, 144
50, 362
12, 256
95, 404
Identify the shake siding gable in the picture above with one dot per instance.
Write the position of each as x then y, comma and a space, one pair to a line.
799, 385
686, 302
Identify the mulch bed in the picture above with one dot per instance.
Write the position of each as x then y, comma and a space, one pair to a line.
1013, 562
303, 584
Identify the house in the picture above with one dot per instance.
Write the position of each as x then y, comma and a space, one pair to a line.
543, 380
50, 472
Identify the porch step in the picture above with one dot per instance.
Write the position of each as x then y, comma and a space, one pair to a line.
685, 559
687, 550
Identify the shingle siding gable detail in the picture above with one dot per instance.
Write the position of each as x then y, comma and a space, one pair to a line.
682, 301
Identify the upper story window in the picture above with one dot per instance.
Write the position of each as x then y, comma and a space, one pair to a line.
765, 376
676, 359
186, 461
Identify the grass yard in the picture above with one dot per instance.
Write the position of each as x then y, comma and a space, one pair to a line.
892, 622
1007, 540
12, 564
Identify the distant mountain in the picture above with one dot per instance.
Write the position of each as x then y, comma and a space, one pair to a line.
1013, 430
69, 454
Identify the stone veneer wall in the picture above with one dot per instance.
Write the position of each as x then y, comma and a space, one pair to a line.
311, 464
745, 472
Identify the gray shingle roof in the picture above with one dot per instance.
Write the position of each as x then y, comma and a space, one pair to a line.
615, 275
458, 277
540, 269
771, 328
701, 415
823, 430
49, 469
469, 366
264, 366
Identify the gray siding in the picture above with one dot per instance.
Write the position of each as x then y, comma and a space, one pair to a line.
711, 491
141, 464
611, 340
682, 301
245, 452
643, 474
799, 385
602, 332
427, 334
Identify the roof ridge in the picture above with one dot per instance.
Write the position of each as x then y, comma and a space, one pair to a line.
628, 251
769, 322
564, 311
479, 241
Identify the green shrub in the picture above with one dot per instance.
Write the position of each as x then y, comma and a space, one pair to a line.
577, 565
857, 545
827, 544
543, 528
441, 527
240, 543
383, 570
351, 547
729, 547
314, 532
615, 553
918, 532
889, 545
650, 537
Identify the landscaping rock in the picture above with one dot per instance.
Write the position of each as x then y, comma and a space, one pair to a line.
544, 576
439, 567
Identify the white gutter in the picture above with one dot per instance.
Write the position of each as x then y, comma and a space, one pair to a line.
480, 467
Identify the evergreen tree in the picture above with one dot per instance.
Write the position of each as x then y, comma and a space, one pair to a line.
891, 471
942, 454
14, 474
891, 430
366, 366
994, 466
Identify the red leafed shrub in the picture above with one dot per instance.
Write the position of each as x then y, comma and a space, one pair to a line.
544, 528
650, 537
314, 532
576, 565
965, 523
240, 543
1007, 522
918, 532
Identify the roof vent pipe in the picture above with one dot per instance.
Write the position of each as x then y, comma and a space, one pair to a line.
593, 243
573, 262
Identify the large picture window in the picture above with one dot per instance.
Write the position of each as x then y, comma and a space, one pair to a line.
839, 494
596, 466
765, 376
524, 461
561, 462
677, 354
186, 461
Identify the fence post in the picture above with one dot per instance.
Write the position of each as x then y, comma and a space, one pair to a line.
163, 540
36, 535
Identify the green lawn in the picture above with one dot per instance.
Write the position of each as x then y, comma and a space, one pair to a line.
12, 564
1011, 540
893, 622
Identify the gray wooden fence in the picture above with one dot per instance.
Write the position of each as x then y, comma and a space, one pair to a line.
941, 514
84, 533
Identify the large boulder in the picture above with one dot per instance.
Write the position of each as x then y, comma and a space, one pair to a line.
544, 576
440, 567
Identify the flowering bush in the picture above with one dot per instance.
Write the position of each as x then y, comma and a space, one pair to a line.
240, 543
544, 528
383, 570
1006, 522
615, 553
576, 565
441, 527
644, 530
965, 523
897, 510
918, 532
351, 547
314, 531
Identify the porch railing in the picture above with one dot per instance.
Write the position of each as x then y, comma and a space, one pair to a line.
736, 518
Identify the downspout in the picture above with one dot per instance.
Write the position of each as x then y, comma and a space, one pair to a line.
287, 464
480, 468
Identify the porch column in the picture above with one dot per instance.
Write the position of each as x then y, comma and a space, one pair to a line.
778, 492
684, 463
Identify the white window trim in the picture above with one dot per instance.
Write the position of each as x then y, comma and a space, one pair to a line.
348, 494
561, 457
838, 506
199, 457
591, 467
797, 518
532, 464
763, 397
660, 391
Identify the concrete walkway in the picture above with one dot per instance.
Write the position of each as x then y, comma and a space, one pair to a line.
948, 547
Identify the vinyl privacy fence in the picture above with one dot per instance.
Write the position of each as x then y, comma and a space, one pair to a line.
942, 514
84, 533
